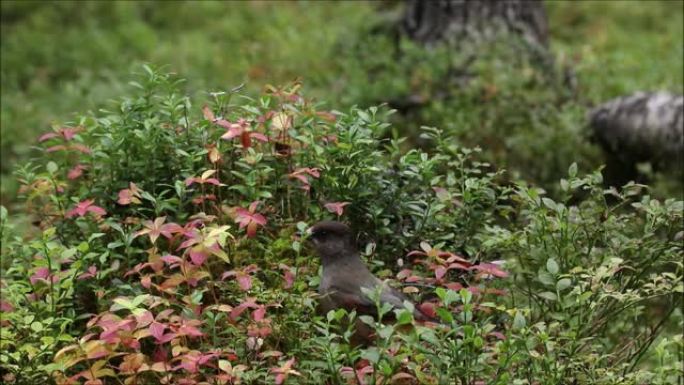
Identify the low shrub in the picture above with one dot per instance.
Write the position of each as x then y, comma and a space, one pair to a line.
166, 251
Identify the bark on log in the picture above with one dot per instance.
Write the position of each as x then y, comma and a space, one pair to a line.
643, 127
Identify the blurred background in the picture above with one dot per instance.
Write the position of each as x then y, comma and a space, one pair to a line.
523, 100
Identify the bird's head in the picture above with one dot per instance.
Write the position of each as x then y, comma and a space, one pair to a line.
331, 240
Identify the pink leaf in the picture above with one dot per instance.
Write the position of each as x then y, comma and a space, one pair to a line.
146, 281
208, 114
336, 207
259, 314
96, 210
80, 148
244, 281
198, 256
405, 273
455, 286
69, 133
41, 274
440, 271
171, 259
428, 308
92, 271
288, 276
498, 335
83, 207
250, 219
491, 269
189, 330
48, 136
76, 172
6, 306
259, 136
157, 330
59, 147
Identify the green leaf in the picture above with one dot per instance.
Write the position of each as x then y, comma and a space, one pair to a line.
403, 316
68, 253
572, 170
545, 278
547, 295
52, 167
552, 266
563, 284
371, 354
37, 326
519, 320
123, 303
95, 236
465, 295
444, 315
550, 204
368, 320
385, 332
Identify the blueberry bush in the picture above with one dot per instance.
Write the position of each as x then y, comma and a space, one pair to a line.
165, 248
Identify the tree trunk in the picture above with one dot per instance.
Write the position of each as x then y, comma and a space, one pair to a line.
433, 21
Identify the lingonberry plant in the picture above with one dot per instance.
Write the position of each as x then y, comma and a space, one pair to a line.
165, 249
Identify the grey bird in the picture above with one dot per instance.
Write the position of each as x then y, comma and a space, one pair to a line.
344, 274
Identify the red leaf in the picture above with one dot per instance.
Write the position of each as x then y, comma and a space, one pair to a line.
245, 139
428, 308
250, 219
248, 303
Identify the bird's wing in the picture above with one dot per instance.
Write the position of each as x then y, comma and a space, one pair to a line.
339, 297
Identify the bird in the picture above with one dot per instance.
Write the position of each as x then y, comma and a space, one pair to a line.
344, 276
